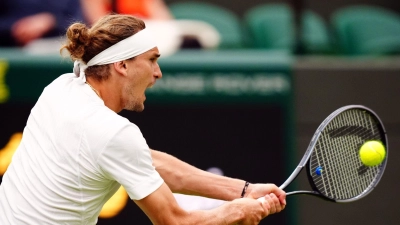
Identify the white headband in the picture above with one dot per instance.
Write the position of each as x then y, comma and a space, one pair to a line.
130, 47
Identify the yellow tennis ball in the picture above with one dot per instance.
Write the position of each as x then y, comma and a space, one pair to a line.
372, 153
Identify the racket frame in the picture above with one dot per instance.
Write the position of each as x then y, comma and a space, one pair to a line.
305, 160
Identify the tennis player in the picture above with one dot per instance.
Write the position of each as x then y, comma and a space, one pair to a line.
76, 150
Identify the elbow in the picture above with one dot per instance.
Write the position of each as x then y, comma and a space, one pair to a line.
174, 179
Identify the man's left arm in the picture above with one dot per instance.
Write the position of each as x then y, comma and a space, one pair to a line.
184, 178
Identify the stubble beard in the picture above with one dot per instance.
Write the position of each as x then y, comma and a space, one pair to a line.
133, 103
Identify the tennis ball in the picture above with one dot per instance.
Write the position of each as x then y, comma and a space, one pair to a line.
372, 153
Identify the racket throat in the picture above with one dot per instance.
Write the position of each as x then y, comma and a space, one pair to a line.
291, 177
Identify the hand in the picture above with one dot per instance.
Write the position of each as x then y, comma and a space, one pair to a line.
252, 211
32, 27
273, 204
256, 191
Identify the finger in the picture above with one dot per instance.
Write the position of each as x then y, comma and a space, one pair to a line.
264, 201
282, 198
281, 194
277, 203
261, 199
266, 204
283, 207
272, 205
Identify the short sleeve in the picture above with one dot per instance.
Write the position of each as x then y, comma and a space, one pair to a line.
127, 160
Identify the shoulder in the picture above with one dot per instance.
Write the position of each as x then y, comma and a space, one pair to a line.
61, 80
104, 125
125, 134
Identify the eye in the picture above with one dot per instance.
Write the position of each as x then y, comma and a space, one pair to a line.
155, 58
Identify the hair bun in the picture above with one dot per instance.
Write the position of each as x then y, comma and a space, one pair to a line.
78, 38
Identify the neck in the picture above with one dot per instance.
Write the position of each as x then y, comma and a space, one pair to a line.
108, 91
97, 92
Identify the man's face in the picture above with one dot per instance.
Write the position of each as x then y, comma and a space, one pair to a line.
142, 72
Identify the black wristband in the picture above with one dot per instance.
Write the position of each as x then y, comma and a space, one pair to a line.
244, 189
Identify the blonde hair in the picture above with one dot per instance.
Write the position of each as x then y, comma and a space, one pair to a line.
84, 43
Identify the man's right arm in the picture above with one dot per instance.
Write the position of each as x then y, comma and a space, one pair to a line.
162, 208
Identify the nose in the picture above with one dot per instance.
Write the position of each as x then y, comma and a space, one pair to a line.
157, 72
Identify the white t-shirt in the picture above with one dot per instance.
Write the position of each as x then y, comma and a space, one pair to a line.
74, 155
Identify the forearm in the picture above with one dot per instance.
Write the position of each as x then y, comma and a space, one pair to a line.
186, 179
245, 210
229, 213
226, 214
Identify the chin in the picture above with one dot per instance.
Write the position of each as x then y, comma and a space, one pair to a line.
137, 107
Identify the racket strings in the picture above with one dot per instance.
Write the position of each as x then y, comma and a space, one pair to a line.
343, 176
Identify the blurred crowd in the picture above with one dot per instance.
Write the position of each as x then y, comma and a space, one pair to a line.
352, 30
24, 21
39, 25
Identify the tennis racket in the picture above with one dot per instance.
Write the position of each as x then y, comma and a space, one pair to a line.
334, 169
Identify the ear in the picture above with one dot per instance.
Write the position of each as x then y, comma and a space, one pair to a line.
120, 67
